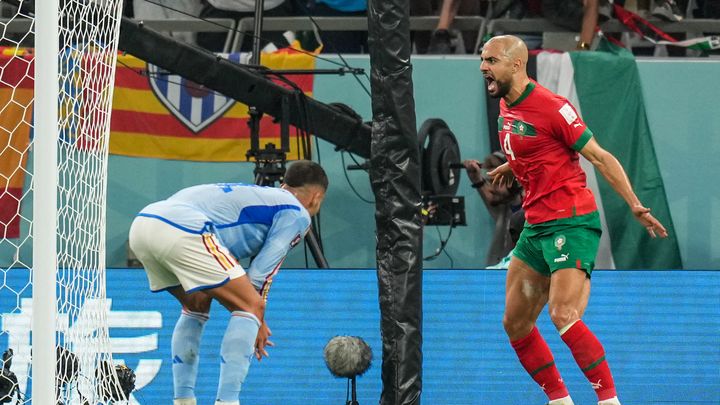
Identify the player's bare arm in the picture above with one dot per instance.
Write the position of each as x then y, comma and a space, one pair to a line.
614, 173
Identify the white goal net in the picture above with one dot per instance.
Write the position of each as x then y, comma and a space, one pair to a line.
57, 64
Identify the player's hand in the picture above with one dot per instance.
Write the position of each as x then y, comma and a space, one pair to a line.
652, 225
261, 342
502, 175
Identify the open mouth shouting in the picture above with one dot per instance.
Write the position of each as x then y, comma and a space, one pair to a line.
492, 85
495, 88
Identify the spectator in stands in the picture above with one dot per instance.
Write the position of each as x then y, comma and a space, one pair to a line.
500, 200
165, 9
576, 15
441, 39
237, 10
709, 9
128, 8
340, 41
421, 8
669, 10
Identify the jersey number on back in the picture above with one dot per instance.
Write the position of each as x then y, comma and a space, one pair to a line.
507, 147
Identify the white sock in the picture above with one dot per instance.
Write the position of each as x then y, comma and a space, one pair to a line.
184, 401
562, 401
611, 401
567, 327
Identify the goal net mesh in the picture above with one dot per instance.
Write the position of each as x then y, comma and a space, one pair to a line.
87, 52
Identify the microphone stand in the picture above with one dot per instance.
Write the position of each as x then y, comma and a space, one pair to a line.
353, 400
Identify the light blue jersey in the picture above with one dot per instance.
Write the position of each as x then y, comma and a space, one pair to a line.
249, 220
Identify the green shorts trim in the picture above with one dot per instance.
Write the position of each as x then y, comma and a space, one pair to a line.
560, 244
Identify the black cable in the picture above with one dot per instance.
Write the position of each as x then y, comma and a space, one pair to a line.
358, 163
297, 140
162, 78
441, 249
304, 114
304, 130
307, 261
317, 151
304, 123
301, 131
319, 219
452, 262
347, 177
299, 137
334, 48
266, 41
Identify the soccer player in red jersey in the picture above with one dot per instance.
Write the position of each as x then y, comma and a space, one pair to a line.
542, 135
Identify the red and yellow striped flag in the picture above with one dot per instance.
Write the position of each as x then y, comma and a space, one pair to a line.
161, 115
16, 97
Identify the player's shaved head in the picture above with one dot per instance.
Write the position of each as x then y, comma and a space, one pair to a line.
504, 66
511, 47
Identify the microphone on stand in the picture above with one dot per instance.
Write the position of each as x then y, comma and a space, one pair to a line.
349, 357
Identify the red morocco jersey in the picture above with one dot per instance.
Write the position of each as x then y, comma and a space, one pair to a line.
541, 134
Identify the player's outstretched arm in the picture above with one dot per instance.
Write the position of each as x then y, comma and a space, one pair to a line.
614, 173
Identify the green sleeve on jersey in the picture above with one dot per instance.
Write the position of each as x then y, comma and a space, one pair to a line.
583, 140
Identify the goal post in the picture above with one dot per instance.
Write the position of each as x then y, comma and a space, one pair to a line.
57, 70
45, 185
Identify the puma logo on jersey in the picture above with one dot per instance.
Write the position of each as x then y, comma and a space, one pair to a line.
577, 124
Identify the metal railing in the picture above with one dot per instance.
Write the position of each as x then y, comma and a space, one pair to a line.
245, 25
542, 25
238, 30
480, 24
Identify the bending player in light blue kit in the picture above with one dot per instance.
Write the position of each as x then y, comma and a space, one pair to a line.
189, 245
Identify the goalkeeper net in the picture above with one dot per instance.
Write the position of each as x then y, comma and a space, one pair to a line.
83, 45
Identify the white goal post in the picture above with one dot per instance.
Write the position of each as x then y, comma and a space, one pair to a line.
56, 87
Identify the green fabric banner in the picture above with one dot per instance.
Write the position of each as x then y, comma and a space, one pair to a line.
610, 94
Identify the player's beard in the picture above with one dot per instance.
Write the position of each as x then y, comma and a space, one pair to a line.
503, 88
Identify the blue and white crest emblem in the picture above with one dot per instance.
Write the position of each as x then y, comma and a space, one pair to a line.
195, 106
